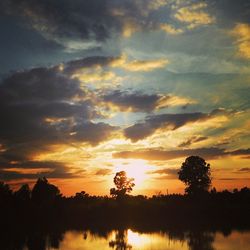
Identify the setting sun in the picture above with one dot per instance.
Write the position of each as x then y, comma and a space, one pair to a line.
136, 169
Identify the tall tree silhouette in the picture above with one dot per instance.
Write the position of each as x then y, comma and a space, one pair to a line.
43, 191
196, 175
123, 185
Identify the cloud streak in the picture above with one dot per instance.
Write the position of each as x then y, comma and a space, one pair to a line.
164, 155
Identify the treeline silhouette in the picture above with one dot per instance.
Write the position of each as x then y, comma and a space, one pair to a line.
37, 219
34, 217
45, 203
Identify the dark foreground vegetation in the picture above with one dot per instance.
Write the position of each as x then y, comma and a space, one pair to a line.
33, 218
43, 211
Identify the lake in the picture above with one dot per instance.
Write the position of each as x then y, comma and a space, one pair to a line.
131, 239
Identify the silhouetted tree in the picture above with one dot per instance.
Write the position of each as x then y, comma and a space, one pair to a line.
123, 184
196, 175
24, 193
43, 191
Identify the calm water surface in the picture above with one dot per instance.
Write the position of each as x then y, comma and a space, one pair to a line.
129, 239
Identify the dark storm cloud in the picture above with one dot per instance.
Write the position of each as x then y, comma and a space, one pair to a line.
162, 155
136, 102
146, 128
92, 132
40, 108
87, 20
97, 20
38, 85
192, 140
84, 19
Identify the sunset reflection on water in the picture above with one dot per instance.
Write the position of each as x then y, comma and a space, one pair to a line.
129, 239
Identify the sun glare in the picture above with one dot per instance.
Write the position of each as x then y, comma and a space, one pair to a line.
136, 169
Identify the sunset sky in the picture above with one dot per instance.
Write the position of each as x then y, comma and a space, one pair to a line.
92, 87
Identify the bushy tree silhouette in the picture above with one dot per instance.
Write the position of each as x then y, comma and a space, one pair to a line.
123, 185
43, 191
196, 175
81, 195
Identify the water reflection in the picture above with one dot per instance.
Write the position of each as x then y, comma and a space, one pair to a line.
125, 240
121, 241
200, 240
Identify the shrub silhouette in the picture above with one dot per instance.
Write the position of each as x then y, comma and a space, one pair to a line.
196, 175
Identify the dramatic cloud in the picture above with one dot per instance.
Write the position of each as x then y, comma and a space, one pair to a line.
81, 80
139, 102
70, 22
152, 123
88, 24
98, 67
63, 19
164, 155
40, 108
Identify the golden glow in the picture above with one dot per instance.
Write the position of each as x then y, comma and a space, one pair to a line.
136, 169
156, 4
194, 15
242, 33
166, 101
137, 240
145, 65
170, 29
